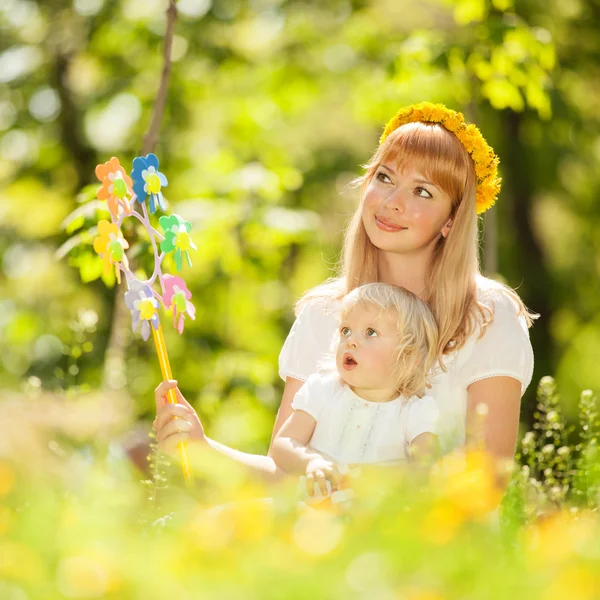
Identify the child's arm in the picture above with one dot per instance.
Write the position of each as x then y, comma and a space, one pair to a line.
424, 449
290, 453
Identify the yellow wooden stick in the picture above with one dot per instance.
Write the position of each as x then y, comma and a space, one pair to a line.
165, 367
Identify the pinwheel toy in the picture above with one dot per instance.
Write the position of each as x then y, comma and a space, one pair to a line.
121, 192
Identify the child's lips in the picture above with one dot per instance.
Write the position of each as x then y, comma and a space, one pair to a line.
349, 362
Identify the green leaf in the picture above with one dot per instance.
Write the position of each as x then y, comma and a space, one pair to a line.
90, 268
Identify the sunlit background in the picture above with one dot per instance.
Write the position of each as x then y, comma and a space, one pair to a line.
272, 108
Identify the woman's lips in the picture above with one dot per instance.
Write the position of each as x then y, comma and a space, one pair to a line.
386, 226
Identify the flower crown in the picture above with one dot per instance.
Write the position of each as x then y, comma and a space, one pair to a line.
484, 158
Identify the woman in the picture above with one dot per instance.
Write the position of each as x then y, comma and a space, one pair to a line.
415, 227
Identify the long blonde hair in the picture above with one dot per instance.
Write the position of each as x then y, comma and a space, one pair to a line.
451, 280
415, 325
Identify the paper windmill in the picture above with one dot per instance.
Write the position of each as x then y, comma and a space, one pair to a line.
177, 238
148, 181
177, 297
116, 185
141, 298
143, 305
111, 246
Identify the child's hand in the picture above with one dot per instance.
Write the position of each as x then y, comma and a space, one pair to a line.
175, 423
320, 471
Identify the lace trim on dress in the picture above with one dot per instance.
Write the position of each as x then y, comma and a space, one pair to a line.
497, 374
293, 375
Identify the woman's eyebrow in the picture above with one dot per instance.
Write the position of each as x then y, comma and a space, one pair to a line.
424, 181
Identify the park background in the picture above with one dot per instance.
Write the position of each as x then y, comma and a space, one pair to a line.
272, 107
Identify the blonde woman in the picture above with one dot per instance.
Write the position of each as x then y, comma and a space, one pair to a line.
415, 227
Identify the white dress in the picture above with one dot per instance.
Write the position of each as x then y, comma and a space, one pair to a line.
504, 350
352, 430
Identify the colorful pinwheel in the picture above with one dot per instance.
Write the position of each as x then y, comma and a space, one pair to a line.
143, 302
148, 181
177, 296
111, 246
177, 238
116, 185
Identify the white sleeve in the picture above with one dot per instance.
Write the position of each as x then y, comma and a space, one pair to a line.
504, 350
310, 397
423, 415
310, 337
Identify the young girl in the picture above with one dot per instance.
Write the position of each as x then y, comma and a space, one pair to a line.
369, 407
415, 227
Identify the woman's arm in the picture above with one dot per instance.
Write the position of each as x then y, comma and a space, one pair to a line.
493, 407
177, 423
285, 408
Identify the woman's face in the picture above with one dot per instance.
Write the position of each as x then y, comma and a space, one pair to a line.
403, 212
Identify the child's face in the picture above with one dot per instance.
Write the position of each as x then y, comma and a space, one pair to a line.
367, 350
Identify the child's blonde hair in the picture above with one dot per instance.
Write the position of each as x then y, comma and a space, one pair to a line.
415, 326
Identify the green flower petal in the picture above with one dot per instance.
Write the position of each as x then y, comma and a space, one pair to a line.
167, 244
167, 222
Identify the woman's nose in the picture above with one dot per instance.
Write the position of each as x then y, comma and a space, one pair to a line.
395, 201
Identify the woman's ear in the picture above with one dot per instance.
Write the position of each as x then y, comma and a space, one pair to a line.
446, 228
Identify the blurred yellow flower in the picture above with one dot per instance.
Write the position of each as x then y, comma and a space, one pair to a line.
574, 581
317, 532
7, 479
19, 561
6, 519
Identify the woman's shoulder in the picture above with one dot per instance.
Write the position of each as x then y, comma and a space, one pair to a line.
503, 303
323, 299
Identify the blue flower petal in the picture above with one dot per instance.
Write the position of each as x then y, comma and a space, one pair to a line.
138, 189
161, 201
145, 330
139, 164
152, 160
163, 180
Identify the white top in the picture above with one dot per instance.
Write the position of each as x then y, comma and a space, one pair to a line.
351, 430
504, 350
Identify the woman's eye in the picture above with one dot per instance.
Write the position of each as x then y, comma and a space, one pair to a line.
420, 192
345, 330
381, 176
371, 332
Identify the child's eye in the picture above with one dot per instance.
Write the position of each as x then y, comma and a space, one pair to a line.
381, 175
344, 330
419, 190
371, 332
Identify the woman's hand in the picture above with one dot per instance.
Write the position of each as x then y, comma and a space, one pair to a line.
175, 423
320, 471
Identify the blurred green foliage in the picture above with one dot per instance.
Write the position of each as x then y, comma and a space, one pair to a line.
273, 106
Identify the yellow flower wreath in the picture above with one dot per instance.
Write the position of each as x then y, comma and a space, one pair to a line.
484, 158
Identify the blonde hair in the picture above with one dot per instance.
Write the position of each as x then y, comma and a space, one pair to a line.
451, 279
415, 325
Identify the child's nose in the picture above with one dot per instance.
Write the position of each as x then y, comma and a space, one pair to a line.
351, 343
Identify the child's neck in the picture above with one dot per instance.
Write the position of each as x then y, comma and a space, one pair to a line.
383, 395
